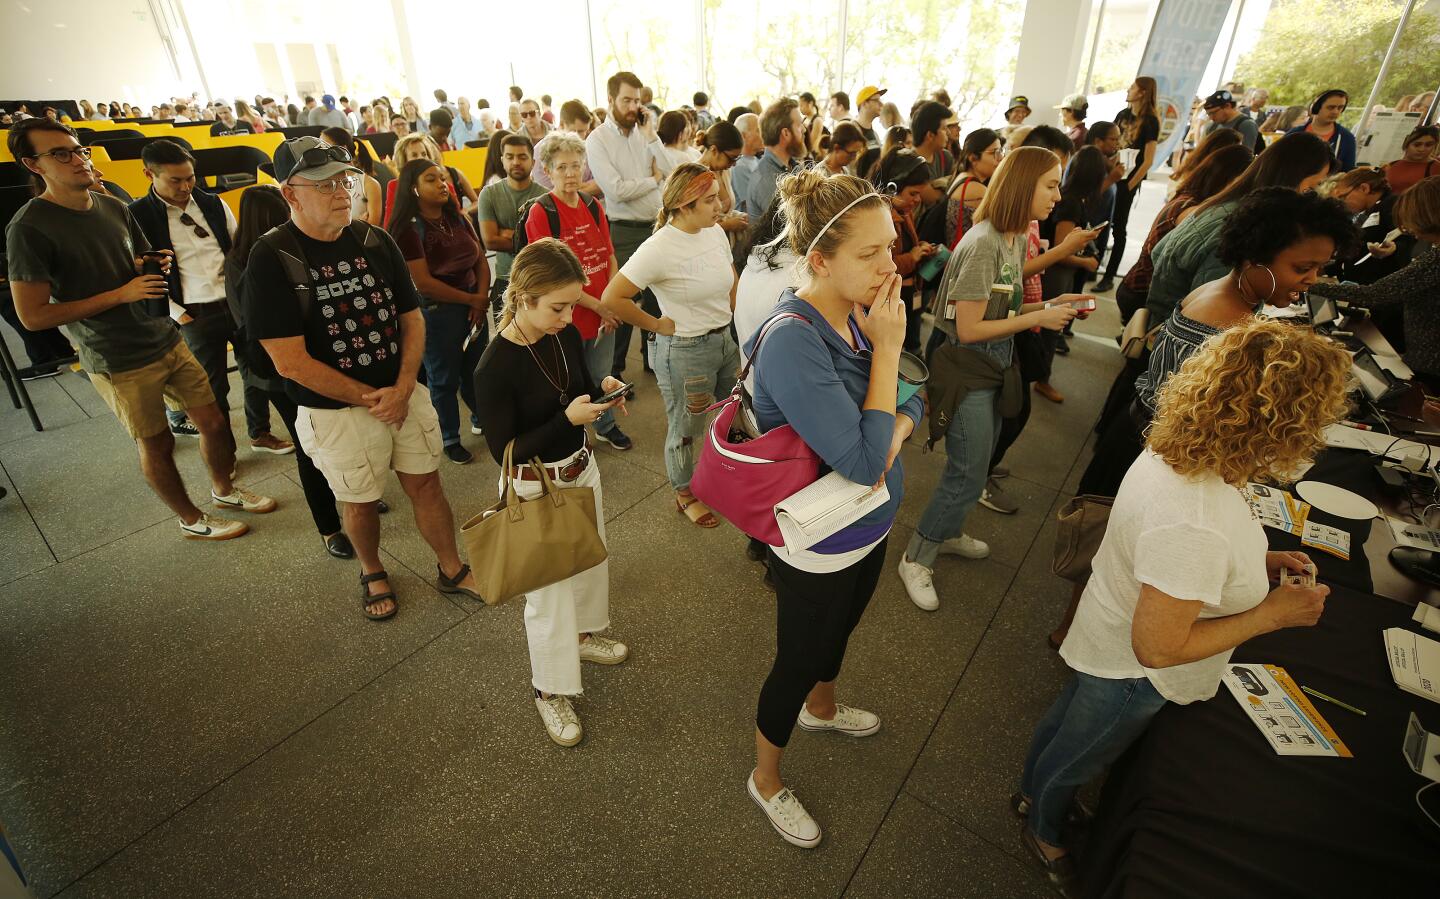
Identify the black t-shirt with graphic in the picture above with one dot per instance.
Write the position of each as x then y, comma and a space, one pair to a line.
354, 322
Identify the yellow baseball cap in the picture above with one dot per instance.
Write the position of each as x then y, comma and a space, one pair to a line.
867, 92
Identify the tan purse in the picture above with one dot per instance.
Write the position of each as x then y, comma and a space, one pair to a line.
1080, 526
1136, 335
519, 545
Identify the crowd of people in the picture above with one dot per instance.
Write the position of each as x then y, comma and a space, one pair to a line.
810, 248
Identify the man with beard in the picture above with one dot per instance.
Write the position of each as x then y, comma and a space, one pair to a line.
619, 156
500, 204
784, 137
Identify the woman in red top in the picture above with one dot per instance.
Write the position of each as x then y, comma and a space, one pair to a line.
449, 268
584, 229
1419, 159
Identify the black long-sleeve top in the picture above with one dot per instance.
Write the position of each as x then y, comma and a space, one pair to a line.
1417, 288
516, 402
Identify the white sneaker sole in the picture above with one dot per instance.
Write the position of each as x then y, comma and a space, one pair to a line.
217, 535
240, 507
274, 452
838, 730
607, 660
558, 740
765, 810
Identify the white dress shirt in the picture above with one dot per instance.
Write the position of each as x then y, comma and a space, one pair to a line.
202, 264
622, 166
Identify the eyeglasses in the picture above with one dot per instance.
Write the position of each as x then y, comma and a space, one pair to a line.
63, 155
327, 187
188, 222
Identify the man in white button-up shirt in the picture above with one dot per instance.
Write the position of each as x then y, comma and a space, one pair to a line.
199, 227
619, 156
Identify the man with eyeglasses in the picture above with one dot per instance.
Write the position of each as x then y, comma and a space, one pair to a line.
333, 304
84, 250
199, 228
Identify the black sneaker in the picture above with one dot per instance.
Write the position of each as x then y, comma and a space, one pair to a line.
1062, 346
616, 438
755, 550
1106, 285
184, 428
36, 372
459, 454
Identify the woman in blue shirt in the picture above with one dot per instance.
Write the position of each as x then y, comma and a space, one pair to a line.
831, 372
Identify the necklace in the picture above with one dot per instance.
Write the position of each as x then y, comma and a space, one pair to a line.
439, 223
561, 364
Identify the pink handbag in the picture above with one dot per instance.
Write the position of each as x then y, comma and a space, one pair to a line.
741, 474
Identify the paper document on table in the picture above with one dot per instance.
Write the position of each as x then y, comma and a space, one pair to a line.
1416, 535
1276, 508
1274, 703
831, 503
1326, 539
1414, 662
1373, 442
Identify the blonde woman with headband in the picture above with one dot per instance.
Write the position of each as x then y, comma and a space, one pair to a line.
1182, 576
830, 370
687, 263
533, 387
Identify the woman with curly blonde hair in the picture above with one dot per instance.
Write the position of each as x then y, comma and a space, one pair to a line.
1182, 576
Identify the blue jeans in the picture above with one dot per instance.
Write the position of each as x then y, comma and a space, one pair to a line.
449, 368
599, 356
1093, 721
968, 445
690, 372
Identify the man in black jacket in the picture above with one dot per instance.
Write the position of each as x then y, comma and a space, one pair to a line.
177, 215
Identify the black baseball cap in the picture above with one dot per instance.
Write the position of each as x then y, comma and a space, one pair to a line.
1219, 98
312, 159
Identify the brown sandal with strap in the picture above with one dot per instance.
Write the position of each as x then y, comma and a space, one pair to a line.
706, 520
365, 598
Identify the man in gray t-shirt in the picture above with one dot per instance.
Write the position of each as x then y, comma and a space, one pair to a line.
74, 260
499, 203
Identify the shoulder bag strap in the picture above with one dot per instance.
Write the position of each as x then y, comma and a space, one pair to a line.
760, 338
292, 260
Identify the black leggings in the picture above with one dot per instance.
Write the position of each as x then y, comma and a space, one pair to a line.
814, 615
1120, 444
1119, 221
318, 495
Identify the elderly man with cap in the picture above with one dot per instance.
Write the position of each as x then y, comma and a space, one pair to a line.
1223, 112
1072, 117
332, 302
867, 108
1015, 115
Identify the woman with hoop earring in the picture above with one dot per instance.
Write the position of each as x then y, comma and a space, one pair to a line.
1277, 243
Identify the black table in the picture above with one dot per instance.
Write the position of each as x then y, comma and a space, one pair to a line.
1202, 807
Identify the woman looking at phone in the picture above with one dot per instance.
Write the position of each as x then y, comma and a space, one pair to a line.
535, 390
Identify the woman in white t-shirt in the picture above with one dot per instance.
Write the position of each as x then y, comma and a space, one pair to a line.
1182, 576
686, 262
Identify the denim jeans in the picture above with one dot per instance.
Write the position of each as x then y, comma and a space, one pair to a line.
968, 445
1093, 721
599, 355
449, 368
690, 372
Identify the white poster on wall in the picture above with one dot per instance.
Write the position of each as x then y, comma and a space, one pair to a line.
1178, 50
1381, 144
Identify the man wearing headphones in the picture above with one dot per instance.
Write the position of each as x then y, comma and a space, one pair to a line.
1324, 123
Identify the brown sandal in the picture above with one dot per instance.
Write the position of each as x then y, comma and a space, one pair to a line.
707, 520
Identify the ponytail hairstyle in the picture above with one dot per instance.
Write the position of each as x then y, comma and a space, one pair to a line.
976, 143
688, 182
722, 136
542, 266
817, 211
1010, 197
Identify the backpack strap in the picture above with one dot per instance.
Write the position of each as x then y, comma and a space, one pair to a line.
293, 262
552, 214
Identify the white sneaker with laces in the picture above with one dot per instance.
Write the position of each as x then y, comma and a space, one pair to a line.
965, 546
787, 816
561, 722
603, 650
242, 500
208, 527
851, 721
919, 584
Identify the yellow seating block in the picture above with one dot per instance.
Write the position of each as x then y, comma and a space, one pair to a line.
471, 162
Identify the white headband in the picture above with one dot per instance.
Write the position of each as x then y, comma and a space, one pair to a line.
835, 218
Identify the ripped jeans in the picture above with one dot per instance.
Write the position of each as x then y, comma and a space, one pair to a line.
691, 371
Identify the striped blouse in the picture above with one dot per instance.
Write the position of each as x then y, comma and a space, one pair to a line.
1176, 340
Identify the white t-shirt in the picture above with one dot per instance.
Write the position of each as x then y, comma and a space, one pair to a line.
759, 290
691, 275
1193, 539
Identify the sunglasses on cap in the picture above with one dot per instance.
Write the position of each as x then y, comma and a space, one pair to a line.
316, 156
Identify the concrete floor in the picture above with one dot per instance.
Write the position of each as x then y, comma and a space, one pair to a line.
182, 719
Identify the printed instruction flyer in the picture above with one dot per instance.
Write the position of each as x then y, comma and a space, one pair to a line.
1274, 702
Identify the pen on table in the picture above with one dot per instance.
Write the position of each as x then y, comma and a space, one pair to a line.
1331, 699
1357, 425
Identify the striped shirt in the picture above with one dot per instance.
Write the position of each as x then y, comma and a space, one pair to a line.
1176, 340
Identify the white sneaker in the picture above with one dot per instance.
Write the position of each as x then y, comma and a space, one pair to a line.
561, 722
242, 500
919, 584
847, 720
208, 527
966, 546
477, 430
787, 816
603, 650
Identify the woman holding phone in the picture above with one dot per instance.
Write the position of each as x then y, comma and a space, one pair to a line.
535, 390
831, 372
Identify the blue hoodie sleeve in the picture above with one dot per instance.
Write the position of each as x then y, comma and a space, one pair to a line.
798, 375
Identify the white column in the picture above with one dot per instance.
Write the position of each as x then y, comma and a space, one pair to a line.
407, 50
1052, 51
